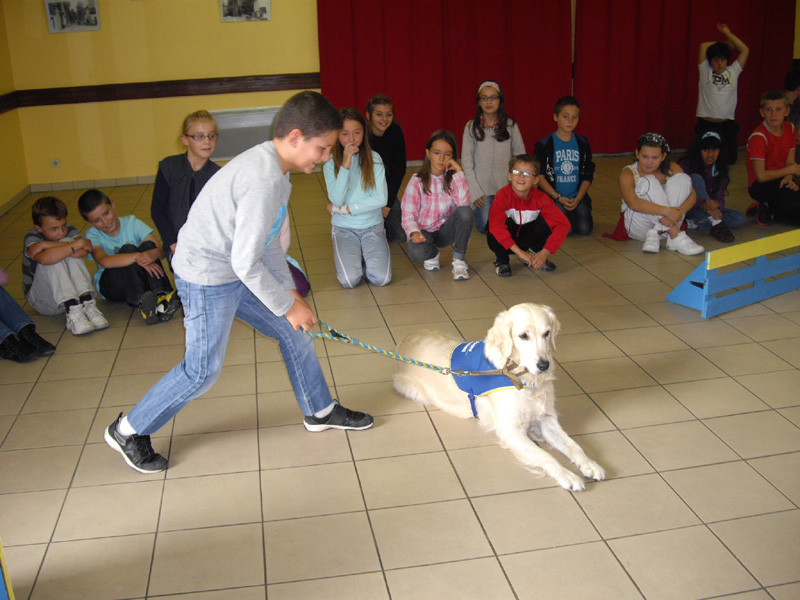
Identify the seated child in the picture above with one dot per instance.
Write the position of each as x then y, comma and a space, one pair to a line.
524, 220
18, 338
707, 166
386, 138
127, 255
771, 163
656, 194
717, 88
567, 167
181, 177
356, 184
54, 277
436, 209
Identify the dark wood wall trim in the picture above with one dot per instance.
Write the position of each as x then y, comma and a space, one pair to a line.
158, 89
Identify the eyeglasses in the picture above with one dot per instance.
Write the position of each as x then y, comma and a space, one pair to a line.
523, 173
489, 98
199, 137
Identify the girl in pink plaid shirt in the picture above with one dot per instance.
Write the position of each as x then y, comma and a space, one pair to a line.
436, 209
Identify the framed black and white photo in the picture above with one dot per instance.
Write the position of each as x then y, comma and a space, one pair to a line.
64, 16
245, 10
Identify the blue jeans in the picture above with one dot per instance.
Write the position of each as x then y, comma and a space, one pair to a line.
209, 312
732, 218
12, 317
455, 231
482, 214
580, 218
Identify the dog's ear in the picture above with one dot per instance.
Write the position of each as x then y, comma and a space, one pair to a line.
555, 326
498, 340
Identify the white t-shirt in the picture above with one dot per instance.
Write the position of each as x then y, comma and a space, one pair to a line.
716, 96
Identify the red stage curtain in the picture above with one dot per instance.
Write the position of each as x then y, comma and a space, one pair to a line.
636, 64
430, 55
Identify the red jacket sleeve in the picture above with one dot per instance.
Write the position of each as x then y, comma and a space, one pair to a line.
497, 217
555, 219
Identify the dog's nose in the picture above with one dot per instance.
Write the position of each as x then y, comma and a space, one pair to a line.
543, 364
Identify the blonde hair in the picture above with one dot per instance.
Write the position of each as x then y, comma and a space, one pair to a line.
198, 115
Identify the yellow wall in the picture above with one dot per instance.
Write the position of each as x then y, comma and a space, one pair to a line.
13, 173
139, 41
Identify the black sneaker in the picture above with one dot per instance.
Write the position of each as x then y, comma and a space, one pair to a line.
764, 214
339, 418
43, 347
170, 302
502, 269
548, 266
17, 350
722, 233
135, 449
147, 308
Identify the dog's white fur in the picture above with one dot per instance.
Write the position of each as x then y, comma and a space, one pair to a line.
525, 333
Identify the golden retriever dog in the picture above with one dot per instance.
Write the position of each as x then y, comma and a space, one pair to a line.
522, 340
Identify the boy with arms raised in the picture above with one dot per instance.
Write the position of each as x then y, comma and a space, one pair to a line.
229, 264
771, 164
54, 277
524, 220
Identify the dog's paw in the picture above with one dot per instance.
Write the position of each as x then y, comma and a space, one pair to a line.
568, 480
592, 470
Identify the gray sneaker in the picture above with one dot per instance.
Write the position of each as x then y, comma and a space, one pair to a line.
135, 449
339, 418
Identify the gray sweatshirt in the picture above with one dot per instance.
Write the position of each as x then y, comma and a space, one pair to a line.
232, 229
485, 163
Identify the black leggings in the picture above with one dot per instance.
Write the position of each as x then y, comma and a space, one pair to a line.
128, 284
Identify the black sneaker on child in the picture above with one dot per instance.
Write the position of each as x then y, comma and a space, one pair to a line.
170, 302
147, 308
339, 418
548, 266
17, 350
764, 214
722, 233
135, 449
502, 269
43, 347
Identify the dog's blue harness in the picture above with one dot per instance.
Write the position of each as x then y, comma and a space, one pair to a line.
469, 357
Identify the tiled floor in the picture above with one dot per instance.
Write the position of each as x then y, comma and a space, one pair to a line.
697, 423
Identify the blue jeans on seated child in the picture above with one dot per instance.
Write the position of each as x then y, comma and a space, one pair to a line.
482, 214
209, 312
12, 317
732, 218
580, 218
455, 231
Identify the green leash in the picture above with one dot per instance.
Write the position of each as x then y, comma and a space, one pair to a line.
338, 336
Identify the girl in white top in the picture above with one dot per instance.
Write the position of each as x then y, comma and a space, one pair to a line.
356, 183
656, 194
490, 140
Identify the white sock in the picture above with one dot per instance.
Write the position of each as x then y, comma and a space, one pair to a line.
124, 427
714, 221
321, 414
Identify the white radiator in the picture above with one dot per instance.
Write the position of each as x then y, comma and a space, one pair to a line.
242, 128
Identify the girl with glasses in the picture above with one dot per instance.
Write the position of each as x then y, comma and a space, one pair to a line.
181, 177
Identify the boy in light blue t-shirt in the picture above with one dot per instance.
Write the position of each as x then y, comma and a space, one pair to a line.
128, 259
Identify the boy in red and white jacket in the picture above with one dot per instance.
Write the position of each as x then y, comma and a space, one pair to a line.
524, 220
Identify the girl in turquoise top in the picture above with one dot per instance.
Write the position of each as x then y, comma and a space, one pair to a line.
356, 184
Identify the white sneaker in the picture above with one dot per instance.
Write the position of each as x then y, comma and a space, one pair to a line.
432, 264
683, 243
652, 242
93, 314
77, 323
460, 270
